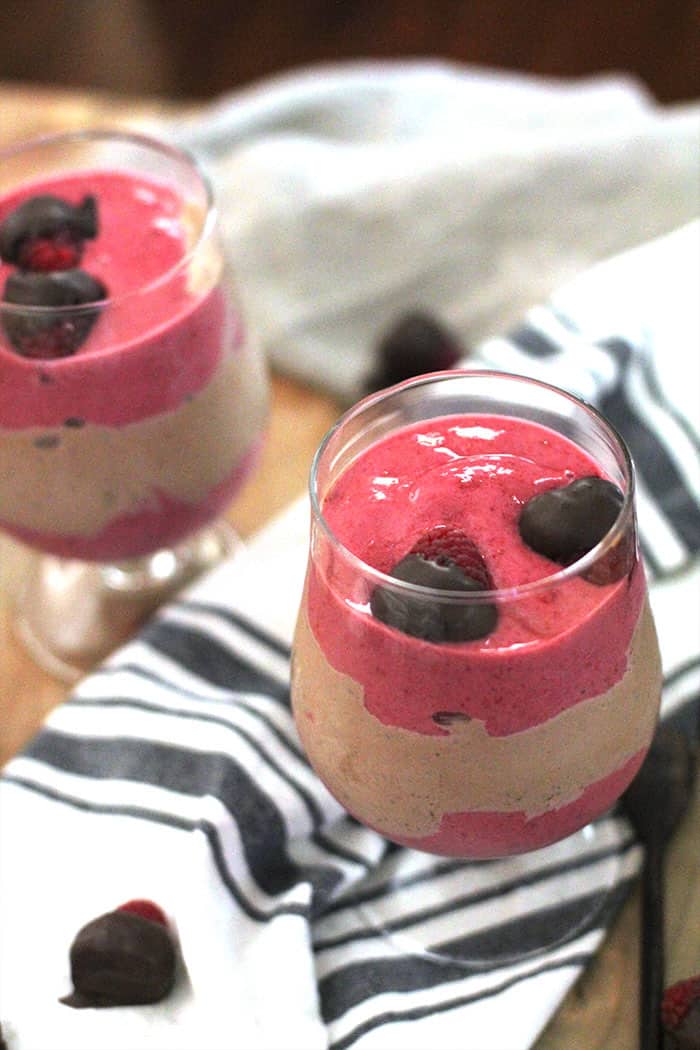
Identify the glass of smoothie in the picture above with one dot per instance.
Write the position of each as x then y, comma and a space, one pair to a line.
133, 401
476, 672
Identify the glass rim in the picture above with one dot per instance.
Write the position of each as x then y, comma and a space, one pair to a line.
138, 139
544, 583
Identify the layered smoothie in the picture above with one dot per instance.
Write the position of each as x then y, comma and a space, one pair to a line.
129, 422
501, 716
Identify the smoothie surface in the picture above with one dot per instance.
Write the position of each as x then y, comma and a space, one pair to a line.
141, 238
473, 472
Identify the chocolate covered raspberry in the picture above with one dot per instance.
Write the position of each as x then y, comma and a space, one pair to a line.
446, 560
54, 330
417, 343
47, 233
565, 523
124, 957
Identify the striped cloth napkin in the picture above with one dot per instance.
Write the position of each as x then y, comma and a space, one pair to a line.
174, 772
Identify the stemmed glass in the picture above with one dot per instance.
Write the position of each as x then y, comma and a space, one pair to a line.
129, 417
518, 735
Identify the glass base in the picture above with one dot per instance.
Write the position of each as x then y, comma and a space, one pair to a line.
71, 614
478, 916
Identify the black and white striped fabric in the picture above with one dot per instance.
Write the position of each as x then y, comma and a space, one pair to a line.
175, 772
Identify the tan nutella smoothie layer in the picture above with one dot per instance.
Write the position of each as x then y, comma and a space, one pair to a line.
75, 480
402, 783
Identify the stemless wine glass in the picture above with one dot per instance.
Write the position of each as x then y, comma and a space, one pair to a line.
513, 732
127, 424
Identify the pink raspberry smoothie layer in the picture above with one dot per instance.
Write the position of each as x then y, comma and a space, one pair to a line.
154, 343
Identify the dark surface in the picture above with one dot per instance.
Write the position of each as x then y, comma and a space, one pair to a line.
187, 49
655, 803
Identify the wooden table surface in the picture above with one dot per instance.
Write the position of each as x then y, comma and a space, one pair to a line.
600, 1011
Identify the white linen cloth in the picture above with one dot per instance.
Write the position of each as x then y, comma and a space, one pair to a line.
174, 772
350, 193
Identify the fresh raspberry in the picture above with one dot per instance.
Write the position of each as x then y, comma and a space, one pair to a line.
678, 999
680, 1012
44, 254
146, 909
447, 543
